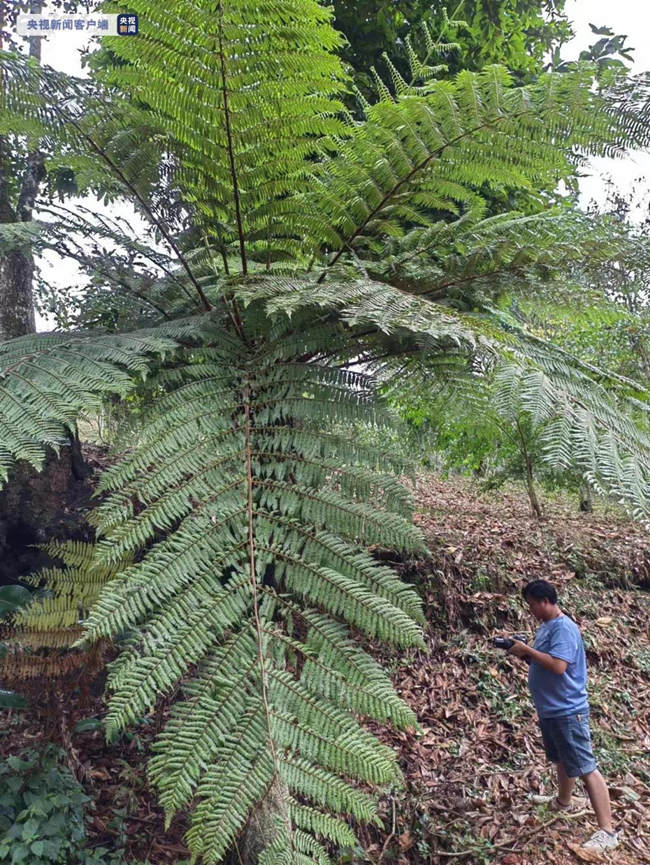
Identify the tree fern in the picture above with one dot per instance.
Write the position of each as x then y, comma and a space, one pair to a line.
259, 582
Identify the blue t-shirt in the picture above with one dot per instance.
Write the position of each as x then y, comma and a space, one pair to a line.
556, 695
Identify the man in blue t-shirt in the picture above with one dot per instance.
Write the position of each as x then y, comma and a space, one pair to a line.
557, 678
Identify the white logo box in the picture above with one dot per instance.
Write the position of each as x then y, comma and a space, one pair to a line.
65, 25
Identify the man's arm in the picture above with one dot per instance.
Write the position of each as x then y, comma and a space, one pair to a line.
555, 665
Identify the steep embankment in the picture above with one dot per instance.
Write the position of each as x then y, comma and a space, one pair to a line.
479, 754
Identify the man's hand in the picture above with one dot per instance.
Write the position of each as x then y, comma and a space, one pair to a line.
520, 650
554, 665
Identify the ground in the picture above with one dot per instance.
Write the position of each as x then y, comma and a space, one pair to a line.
477, 755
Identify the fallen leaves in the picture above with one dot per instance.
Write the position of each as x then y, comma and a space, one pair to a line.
583, 854
479, 752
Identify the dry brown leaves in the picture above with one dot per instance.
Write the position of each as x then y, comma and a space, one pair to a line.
479, 755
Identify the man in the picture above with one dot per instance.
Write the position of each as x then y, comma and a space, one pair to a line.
557, 678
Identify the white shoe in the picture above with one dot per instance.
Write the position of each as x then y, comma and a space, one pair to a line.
577, 803
602, 840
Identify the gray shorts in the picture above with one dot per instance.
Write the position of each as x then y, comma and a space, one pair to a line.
567, 740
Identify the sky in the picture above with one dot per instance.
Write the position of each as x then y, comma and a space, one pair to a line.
631, 17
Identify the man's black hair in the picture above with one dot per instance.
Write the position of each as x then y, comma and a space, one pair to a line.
540, 589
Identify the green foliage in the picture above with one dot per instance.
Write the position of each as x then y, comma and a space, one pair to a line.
42, 813
53, 619
40, 401
538, 412
38, 639
13, 599
246, 95
240, 513
265, 514
599, 331
515, 33
606, 53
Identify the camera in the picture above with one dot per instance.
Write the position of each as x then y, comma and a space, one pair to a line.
507, 642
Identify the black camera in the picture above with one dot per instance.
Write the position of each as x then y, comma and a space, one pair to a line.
507, 643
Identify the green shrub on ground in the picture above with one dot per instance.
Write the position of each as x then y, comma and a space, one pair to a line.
43, 813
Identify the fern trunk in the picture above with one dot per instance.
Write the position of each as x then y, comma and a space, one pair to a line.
16, 302
530, 482
261, 829
16, 265
532, 494
586, 499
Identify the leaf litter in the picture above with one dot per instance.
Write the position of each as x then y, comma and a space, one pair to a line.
478, 756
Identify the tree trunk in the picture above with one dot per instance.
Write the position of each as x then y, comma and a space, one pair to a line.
17, 266
532, 494
36, 507
16, 300
261, 828
530, 484
586, 498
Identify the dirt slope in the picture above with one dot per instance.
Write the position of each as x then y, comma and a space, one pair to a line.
479, 754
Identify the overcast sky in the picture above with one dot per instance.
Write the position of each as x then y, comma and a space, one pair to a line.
624, 16
631, 17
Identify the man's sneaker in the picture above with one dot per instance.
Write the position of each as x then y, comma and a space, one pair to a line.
577, 803
602, 840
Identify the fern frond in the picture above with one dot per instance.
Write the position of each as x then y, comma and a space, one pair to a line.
47, 380
461, 135
54, 618
247, 527
247, 113
361, 303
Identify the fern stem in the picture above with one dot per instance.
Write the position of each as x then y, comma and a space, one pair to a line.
452, 282
116, 281
152, 216
253, 577
231, 154
55, 211
258, 625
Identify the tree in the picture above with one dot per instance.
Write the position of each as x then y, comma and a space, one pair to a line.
32, 508
493, 427
473, 34
17, 265
247, 519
